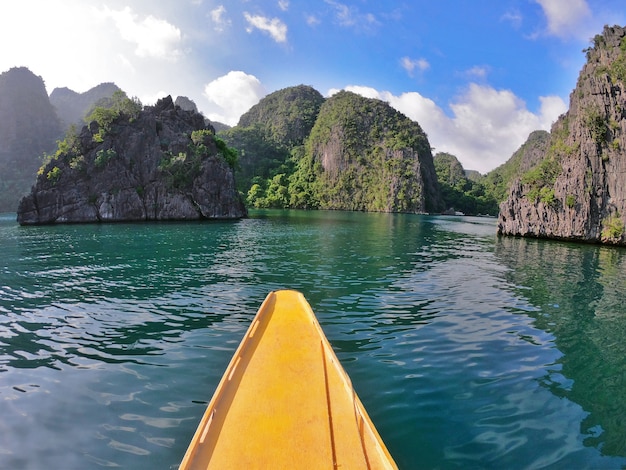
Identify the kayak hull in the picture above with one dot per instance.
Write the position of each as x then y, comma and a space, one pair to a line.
285, 401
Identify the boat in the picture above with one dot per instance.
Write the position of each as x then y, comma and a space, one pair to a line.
285, 401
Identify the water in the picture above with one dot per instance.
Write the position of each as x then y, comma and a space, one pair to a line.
468, 351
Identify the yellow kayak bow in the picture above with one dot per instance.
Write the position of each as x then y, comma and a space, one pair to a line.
285, 401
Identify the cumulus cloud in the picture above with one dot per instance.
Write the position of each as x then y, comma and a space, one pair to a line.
365, 91
551, 108
486, 126
231, 95
410, 65
218, 16
153, 37
274, 27
566, 18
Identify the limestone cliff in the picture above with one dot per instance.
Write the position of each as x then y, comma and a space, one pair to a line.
578, 190
29, 127
160, 164
364, 155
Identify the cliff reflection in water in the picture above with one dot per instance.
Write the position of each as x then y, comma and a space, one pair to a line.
579, 295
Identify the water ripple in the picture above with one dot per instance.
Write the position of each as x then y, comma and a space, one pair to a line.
468, 351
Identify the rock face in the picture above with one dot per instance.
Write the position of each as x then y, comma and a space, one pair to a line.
367, 156
186, 104
29, 127
162, 164
578, 190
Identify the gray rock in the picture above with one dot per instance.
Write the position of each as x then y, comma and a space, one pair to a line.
145, 168
578, 191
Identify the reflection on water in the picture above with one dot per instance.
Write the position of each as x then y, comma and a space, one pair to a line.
468, 350
579, 293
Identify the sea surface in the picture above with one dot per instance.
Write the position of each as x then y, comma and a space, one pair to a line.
469, 351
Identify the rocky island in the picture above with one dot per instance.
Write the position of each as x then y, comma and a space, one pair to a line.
346, 152
132, 164
576, 191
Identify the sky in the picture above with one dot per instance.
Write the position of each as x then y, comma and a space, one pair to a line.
478, 76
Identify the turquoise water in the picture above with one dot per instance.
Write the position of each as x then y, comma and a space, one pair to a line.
468, 351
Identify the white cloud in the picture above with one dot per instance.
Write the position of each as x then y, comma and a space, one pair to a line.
483, 126
219, 19
350, 16
312, 20
514, 17
344, 14
551, 108
274, 27
410, 65
149, 100
365, 91
122, 45
231, 95
153, 37
567, 18
283, 5
486, 127
477, 72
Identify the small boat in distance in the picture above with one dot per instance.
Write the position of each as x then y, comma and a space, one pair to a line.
285, 401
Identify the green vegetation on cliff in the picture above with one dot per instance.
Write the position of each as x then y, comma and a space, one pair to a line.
362, 154
108, 110
348, 152
498, 181
460, 193
104, 114
259, 158
266, 136
285, 117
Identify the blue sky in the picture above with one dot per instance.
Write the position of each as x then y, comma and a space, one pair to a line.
478, 76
